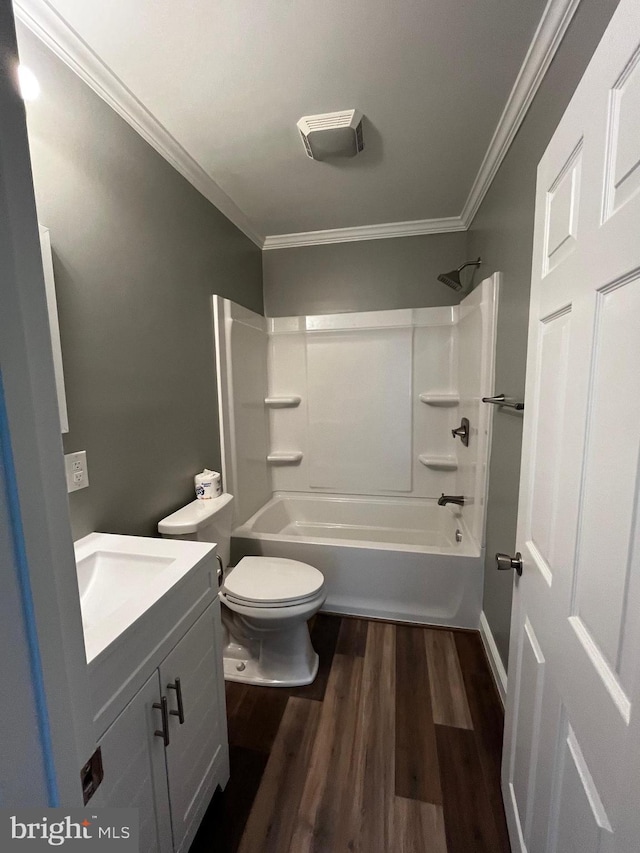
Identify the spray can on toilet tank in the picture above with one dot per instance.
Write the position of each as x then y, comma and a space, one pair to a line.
208, 485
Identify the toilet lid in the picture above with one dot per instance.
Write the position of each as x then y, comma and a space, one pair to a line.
274, 581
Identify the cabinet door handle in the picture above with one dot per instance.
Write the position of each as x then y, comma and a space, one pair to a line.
178, 688
163, 706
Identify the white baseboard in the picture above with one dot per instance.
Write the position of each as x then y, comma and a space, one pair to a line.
495, 661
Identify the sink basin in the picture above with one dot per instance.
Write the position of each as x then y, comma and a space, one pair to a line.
120, 578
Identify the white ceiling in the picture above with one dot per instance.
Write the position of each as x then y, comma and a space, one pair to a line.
228, 79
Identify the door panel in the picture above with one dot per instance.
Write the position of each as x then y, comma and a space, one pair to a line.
528, 731
198, 746
571, 737
561, 226
135, 774
609, 478
581, 818
554, 347
623, 154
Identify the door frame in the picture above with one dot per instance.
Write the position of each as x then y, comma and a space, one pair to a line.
36, 486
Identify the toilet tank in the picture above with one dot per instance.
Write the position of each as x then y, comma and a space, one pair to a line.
203, 521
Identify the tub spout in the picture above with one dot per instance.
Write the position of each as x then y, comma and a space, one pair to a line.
443, 500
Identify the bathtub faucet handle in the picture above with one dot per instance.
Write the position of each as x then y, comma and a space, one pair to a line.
462, 432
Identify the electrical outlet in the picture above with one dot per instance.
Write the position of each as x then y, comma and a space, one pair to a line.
75, 465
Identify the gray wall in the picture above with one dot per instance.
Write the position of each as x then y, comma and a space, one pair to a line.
137, 253
502, 232
368, 275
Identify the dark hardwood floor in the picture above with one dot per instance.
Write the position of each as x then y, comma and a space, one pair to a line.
395, 748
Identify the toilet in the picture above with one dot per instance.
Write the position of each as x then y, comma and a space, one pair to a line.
266, 601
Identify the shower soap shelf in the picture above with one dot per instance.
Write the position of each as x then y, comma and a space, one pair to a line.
289, 402
440, 399
284, 458
439, 463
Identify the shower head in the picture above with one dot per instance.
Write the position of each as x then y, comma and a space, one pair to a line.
452, 279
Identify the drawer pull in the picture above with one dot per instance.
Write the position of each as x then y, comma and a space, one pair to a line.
163, 707
178, 688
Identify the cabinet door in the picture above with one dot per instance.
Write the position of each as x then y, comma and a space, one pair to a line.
197, 756
135, 774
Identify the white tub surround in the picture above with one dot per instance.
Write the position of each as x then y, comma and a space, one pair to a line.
328, 408
361, 424
241, 365
476, 357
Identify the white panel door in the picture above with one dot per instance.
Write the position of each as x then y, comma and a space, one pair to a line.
571, 767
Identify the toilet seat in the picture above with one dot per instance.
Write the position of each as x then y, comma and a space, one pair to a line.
272, 582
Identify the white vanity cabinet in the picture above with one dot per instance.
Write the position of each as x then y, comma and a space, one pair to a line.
168, 763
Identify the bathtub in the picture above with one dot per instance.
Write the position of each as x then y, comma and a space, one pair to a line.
388, 558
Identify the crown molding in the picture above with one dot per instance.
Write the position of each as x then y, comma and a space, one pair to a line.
365, 232
547, 38
45, 22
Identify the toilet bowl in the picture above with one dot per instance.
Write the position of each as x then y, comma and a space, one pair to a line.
269, 601
266, 602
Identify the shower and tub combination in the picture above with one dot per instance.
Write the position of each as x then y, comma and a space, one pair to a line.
358, 443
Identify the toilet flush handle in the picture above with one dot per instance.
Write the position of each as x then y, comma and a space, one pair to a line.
220, 572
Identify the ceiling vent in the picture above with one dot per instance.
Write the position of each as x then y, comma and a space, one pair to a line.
332, 134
